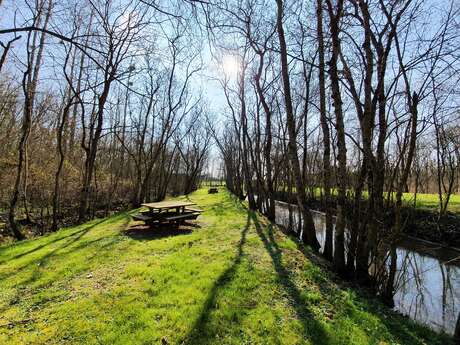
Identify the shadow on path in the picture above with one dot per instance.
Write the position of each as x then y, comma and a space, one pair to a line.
313, 329
70, 240
197, 334
78, 233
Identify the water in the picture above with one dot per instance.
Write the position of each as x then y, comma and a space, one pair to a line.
428, 276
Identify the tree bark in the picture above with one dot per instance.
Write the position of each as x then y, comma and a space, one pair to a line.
268, 141
328, 248
309, 232
339, 239
457, 330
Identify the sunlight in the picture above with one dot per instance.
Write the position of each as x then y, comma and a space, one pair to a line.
230, 65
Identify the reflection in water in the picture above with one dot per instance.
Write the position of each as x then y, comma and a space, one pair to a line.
427, 289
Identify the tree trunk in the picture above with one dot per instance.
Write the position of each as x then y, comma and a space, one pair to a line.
397, 229
328, 251
309, 233
92, 150
339, 240
268, 142
57, 191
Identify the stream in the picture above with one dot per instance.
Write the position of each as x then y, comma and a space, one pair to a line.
428, 276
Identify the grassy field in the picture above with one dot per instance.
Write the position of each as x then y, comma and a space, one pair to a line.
431, 201
235, 279
424, 201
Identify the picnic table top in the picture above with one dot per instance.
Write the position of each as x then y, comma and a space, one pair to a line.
168, 204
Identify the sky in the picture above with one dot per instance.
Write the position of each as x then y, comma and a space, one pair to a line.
14, 11
12, 14
204, 81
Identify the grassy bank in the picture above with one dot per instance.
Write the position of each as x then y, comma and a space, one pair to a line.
234, 280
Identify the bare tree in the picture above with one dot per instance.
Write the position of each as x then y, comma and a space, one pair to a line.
335, 15
328, 252
29, 86
309, 232
118, 37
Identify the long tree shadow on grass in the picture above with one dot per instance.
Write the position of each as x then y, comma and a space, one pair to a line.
54, 237
71, 240
41, 246
226, 204
313, 329
74, 244
198, 333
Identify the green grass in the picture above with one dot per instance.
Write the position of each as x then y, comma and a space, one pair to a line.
235, 280
431, 201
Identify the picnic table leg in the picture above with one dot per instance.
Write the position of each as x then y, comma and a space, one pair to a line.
180, 210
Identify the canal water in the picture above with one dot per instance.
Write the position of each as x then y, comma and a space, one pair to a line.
428, 276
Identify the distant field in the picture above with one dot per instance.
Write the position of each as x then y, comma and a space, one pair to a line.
431, 201
424, 201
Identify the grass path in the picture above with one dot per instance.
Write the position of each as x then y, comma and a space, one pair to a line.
234, 280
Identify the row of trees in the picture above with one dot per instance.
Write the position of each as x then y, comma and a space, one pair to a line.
349, 102
341, 100
97, 108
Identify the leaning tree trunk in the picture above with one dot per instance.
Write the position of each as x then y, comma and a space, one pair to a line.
328, 251
339, 240
57, 180
397, 229
92, 151
309, 233
26, 124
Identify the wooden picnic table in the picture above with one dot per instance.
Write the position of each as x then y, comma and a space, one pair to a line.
167, 205
160, 212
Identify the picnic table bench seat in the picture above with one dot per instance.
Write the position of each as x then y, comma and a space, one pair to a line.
193, 209
142, 217
183, 217
149, 216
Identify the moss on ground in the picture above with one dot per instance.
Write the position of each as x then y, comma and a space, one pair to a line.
235, 279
